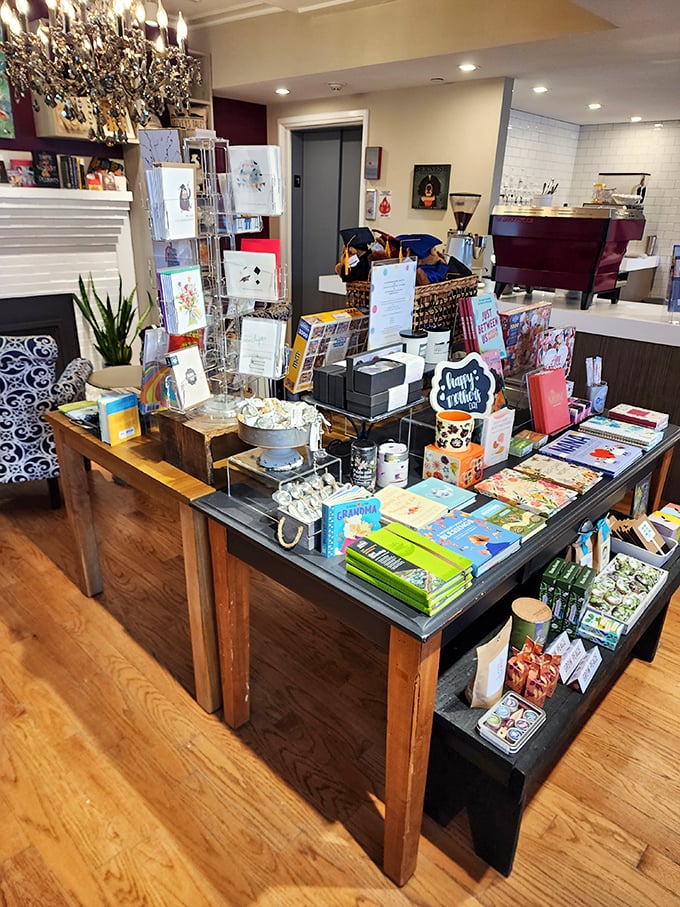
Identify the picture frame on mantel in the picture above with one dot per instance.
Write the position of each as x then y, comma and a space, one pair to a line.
373, 162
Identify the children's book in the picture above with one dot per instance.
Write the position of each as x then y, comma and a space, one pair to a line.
522, 327
609, 457
483, 543
638, 415
566, 474
622, 431
403, 506
346, 516
443, 493
523, 522
182, 299
537, 495
118, 418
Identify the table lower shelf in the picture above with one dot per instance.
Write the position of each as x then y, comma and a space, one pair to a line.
467, 772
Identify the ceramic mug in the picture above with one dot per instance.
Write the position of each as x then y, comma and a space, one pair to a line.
453, 429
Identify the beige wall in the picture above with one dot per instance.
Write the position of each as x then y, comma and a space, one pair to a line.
459, 124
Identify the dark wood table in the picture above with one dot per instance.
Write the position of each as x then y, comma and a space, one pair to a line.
140, 463
242, 537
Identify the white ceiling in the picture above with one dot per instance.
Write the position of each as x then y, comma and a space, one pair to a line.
632, 69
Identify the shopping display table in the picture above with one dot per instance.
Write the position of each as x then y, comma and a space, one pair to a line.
242, 537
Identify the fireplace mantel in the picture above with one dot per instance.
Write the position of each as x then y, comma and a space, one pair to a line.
48, 237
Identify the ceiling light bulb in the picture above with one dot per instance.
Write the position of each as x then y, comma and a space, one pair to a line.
22, 7
182, 30
594, 106
658, 125
635, 119
467, 67
161, 16
540, 89
283, 91
6, 12
160, 44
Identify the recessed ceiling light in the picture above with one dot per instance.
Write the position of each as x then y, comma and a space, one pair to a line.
594, 106
658, 125
437, 79
635, 119
467, 67
540, 89
283, 90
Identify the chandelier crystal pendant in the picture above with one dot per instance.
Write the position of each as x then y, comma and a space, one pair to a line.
92, 59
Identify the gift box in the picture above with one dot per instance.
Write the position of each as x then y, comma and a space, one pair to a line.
459, 467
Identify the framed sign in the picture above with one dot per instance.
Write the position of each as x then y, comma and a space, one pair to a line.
468, 385
373, 162
431, 186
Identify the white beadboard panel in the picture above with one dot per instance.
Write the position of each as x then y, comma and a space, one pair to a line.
49, 237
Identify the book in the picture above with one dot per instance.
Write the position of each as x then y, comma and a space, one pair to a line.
555, 349
413, 573
486, 324
22, 170
182, 299
508, 516
483, 543
443, 493
638, 415
346, 516
380, 581
118, 418
45, 169
190, 382
522, 327
604, 427
537, 495
609, 457
549, 400
561, 472
401, 505
496, 435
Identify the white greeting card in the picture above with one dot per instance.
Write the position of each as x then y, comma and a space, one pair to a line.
256, 179
191, 384
262, 345
251, 275
172, 200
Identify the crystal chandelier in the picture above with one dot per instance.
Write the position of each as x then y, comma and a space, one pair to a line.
92, 59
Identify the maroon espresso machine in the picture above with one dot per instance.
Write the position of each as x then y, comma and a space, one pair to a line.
563, 248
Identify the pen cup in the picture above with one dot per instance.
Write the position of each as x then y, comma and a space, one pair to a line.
597, 394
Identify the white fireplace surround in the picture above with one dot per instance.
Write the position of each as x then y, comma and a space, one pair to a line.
50, 236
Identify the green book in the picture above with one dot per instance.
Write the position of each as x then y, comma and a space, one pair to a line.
399, 592
463, 563
523, 522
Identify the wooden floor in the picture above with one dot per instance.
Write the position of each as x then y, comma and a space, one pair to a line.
117, 789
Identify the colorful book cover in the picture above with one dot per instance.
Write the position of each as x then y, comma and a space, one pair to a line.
522, 327
561, 472
555, 349
182, 299
345, 521
477, 540
381, 581
443, 493
403, 506
609, 457
638, 415
118, 418
487, 324
549, 400
622, 431
522, 522
537, 495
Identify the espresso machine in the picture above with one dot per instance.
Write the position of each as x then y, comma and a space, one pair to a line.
461, 246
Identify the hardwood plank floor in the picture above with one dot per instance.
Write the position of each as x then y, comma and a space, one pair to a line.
117, 789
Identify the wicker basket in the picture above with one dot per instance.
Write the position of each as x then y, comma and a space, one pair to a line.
434, 306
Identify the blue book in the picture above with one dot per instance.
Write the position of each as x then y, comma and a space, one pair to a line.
444, 493
351, 516
487, 324
507, 516
610, 457
479, 541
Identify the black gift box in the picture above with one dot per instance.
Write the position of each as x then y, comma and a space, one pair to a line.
375, 377
367, 405
415, 391
328, 384
358, 360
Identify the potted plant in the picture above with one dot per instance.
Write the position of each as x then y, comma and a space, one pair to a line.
114, 330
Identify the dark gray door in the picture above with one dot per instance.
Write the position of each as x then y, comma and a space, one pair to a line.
326, 173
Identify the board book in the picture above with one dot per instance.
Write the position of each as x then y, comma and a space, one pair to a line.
537, 495
345, 517
609, 457
482, 542
615, 430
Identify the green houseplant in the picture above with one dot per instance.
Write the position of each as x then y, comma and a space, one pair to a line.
114, 330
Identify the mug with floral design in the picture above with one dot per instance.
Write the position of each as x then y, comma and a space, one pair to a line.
453, 429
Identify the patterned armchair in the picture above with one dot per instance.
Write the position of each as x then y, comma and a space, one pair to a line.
27, 389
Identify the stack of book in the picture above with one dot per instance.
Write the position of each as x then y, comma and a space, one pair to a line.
577, 447
617, 430
402, 563
536, 495
638, 415
481, 542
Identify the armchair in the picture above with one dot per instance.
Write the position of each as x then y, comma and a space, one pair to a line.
27, 389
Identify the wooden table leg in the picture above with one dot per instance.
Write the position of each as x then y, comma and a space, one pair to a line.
76, 491
201, 604
659, 477
232, 605
411, 688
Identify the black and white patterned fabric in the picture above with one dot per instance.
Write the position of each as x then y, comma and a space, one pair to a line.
27, 389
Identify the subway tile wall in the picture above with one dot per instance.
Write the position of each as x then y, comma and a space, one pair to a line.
541, 148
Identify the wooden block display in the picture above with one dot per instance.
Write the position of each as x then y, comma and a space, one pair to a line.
194, 445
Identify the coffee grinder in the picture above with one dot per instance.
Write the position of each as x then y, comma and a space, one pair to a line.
461, 245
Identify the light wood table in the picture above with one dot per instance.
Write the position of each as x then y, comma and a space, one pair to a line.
139, 462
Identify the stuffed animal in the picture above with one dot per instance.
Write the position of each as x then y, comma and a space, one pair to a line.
432, 264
